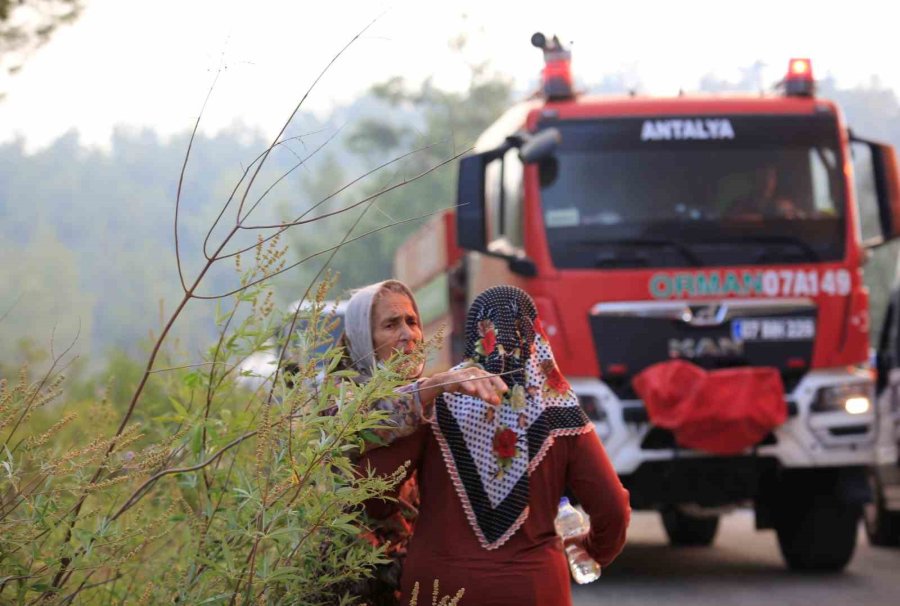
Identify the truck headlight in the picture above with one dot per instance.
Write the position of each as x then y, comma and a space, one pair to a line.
852, 398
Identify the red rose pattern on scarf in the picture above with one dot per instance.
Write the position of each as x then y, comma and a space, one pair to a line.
488, 342
555, 380
505, 447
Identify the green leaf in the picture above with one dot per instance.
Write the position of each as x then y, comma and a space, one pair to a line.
197, 440
332, 366
83, 536
192, 379
179, 408
216, 598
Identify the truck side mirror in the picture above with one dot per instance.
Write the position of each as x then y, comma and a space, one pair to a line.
471, 221
886, 176
887, 183
541, 146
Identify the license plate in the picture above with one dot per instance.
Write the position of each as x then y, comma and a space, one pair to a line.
773, 329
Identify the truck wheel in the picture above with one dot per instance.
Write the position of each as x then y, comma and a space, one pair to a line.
820, 536
882, 526
685, 530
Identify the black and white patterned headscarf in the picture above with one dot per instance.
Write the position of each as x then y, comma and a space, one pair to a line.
490, 451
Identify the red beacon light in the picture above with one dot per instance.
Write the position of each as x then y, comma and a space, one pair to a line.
799, 80
557, 73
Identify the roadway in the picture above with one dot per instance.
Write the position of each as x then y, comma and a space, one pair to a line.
742, 568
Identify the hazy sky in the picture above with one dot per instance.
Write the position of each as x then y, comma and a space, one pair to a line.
150, 62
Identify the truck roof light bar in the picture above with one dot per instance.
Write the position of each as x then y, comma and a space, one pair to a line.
799, 80
556, 77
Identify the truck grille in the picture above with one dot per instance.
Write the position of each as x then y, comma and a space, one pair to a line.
713, 335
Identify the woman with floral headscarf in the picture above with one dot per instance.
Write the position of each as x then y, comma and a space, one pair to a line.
491, 475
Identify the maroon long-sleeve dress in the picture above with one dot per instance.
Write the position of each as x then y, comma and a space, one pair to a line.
530, 568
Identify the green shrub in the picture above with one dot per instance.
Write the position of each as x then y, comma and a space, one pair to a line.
214, 493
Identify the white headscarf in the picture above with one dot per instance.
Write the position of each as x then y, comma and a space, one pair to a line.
358, 324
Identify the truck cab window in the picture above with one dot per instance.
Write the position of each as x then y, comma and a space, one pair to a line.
493, 197
503, 198
866, 199
624, 199
822, 165
513, 172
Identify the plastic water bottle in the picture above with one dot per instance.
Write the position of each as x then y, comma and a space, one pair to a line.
570, 523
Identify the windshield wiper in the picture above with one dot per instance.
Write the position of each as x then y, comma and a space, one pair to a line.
683, 249
768, 254
616, 259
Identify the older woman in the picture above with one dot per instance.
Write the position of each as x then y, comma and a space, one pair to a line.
491, 474
382, 320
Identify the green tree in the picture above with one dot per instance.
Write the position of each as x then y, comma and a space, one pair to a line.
425, 126
107, 216
41, 294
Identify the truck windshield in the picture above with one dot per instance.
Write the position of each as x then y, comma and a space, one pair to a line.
689, 191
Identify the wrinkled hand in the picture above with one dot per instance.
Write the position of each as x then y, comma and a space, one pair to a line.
473, 381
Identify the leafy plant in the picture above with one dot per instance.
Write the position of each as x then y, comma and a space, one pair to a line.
224, 494
187, 483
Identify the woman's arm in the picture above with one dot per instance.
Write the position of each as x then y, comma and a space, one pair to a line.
471, 380
406, 414
596, 485
413, 405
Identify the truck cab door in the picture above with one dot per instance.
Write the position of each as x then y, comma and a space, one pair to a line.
489, 205
878, 183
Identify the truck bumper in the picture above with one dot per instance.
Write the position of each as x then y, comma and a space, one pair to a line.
649, 459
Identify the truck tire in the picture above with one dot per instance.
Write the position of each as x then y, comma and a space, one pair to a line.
819, 536
685, 530
882, 526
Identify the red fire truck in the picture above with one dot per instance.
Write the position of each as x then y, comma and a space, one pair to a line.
723, 230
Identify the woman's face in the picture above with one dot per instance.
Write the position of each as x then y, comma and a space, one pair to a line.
395, 326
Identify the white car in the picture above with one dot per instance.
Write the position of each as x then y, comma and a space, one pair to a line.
261, 366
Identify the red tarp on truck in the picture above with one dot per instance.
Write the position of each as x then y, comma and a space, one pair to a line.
721, 411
